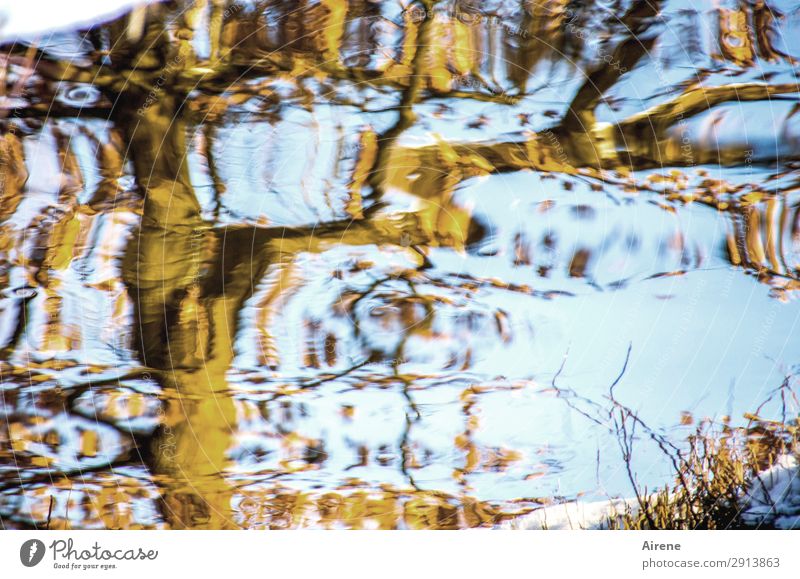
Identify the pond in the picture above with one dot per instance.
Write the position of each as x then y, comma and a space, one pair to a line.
343, 264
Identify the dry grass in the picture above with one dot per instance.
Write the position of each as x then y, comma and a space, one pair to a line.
712, 475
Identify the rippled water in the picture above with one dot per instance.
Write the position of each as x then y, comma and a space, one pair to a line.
331, 264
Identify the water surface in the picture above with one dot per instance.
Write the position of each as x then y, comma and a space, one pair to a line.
349, 265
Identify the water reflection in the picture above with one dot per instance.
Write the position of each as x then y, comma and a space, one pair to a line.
316, 265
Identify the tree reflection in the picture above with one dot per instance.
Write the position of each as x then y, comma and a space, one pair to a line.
174, 77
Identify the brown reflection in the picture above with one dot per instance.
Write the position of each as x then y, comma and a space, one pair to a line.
185, 319
188, 283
